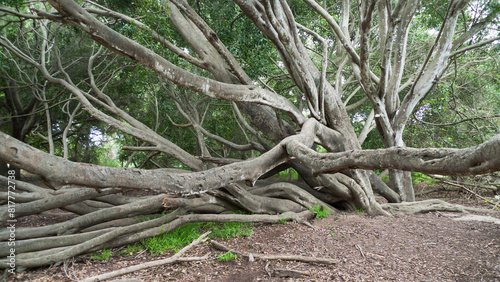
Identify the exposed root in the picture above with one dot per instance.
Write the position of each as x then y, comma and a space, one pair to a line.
258, 204
291, 192
56, 199
428, 206
52, 249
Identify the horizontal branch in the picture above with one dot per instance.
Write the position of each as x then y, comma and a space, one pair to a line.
59, 170
460, 121
474, 160
474, 46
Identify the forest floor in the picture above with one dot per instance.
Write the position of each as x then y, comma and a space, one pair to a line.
434, 246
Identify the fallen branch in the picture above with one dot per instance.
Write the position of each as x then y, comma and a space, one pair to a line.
435, 189
467, 189
281, 272
172, 259
250, 256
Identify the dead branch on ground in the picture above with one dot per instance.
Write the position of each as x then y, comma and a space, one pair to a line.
251, 256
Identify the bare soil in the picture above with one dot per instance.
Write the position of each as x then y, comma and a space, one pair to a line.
423, 247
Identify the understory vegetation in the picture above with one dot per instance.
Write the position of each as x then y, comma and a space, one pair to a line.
179, 238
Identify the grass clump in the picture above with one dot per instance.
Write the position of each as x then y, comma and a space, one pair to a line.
104, 254
228, 230
227, 256
174, 240
321, 211
359, 211
184, 235
418, 177
131, 249
283, 220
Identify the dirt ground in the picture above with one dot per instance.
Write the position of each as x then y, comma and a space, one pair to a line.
423, 247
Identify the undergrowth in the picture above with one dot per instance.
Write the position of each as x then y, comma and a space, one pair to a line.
359, 211
227, 256
181, 237
321, 211
184, 235
418, 177
103, 254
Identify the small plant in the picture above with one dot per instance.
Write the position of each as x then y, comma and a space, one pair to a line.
321, 211
228, 230
182, 236
291, 174
104, 254
174, 240
333, 233
282, 220
228, 256
131, 249
359, 210
418, 177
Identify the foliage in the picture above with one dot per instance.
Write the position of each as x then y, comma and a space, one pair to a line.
289, 174
180, 237
333, 233
104, 254
137, 90
359, 211
321, 211
283, 220
131, 249
418, 177
229, 230
227, 256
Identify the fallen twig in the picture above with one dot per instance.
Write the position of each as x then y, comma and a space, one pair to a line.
468, 190
221, 247
281, 272
172, 259
435, 189
360, 250
476, 185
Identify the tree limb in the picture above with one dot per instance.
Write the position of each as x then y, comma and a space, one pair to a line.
221, 247
474, 160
